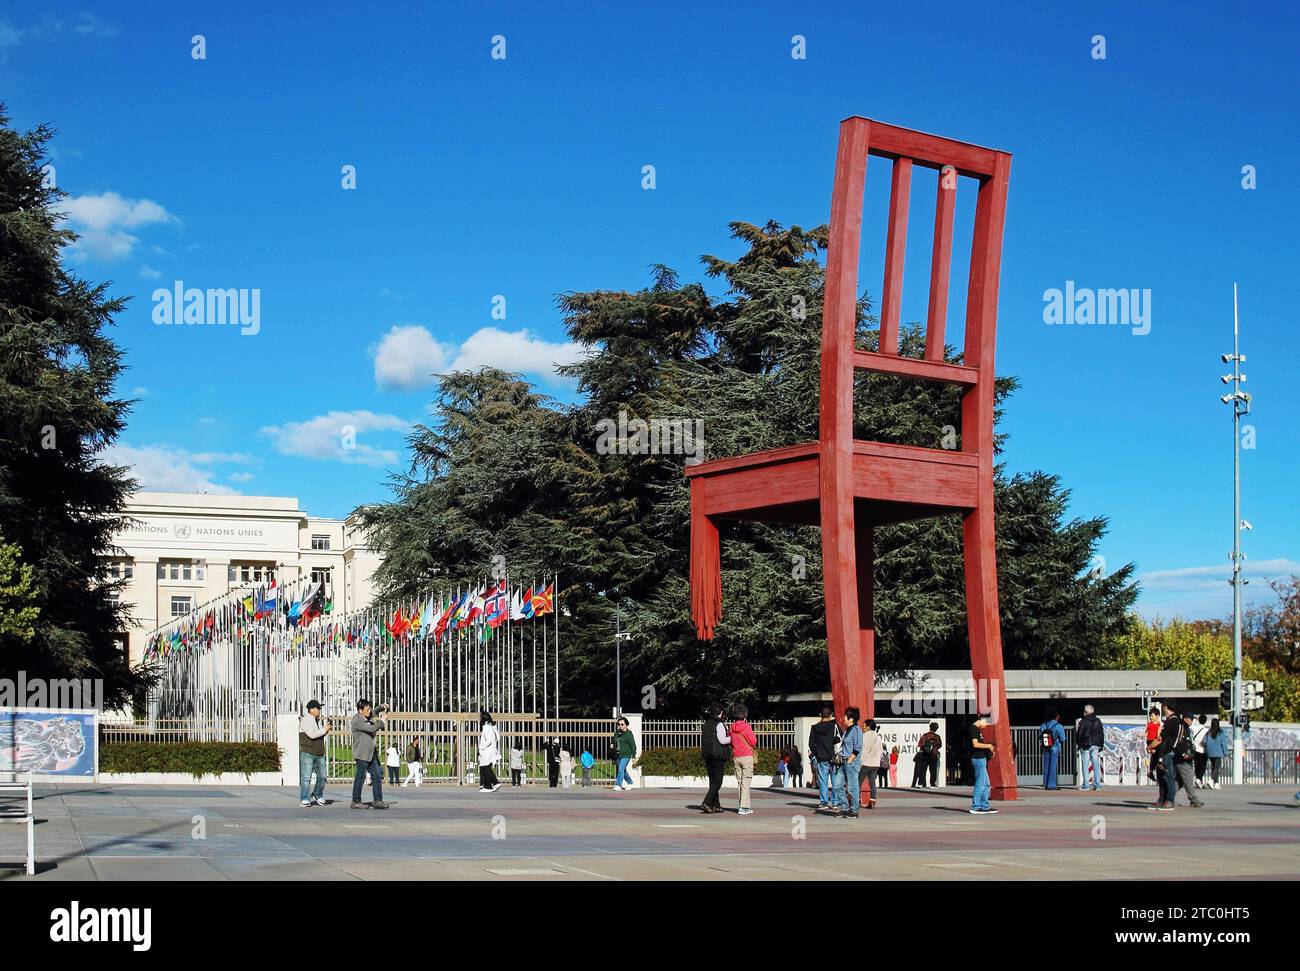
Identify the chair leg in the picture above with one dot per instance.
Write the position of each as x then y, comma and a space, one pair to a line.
706, 567
844, 641
983, 623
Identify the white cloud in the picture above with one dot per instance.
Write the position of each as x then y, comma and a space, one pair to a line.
163, 468
102, 222
149, 273
336, 436
1214, 578
241, 477
408, 356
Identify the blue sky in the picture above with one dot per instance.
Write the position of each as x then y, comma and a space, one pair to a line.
522, 177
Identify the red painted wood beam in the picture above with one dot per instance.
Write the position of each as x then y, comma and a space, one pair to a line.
891, 294
914, 367
940, 264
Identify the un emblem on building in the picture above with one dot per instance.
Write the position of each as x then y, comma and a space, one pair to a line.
181, 530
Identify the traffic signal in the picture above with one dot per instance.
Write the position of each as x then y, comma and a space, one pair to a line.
1225, 695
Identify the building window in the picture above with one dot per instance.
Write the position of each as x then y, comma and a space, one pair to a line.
320, 542
245, 573
181, 570
180, 606
322, 574
119, 569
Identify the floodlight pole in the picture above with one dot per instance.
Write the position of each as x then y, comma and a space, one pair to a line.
1240, 406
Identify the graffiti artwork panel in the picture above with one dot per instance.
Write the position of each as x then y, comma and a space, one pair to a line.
47, 742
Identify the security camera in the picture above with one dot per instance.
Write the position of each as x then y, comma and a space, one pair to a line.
1245, 524
1226, 378
1225, 358
1226, 399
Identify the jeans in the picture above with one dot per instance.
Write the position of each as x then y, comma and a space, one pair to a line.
1214, 769
392, 774
836, 784
1170, 777
823, 782
376, 779
980, 796
850, 778
623, 777
1091, 757
1051, 757
307, 763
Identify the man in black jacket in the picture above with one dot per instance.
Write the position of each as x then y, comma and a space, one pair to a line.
1090, 739
715, 748
821, 747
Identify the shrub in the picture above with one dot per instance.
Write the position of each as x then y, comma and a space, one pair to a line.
689, 762
196, 758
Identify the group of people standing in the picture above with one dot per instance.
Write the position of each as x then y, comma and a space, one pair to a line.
1181, 747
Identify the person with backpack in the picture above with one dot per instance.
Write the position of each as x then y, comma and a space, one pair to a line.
1216, 750
882, 773
624, 745
928, 747
1199, 731
414, 764
1090, 738
715, 749
586, 760
1053, 739
823, 742
393, 762
312, 730
1172, 748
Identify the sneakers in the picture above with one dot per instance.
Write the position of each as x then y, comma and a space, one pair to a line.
305, 803
320, 800
1197, 804
822, 807
1165, 807
745, 812
496, 787
361, 805
379, 804
848, 815
486, 789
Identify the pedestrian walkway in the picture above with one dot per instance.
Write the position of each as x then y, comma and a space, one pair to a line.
88, 832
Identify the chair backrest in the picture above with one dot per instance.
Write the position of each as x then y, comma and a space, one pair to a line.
860, 138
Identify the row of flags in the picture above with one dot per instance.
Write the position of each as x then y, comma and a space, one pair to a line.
284, 619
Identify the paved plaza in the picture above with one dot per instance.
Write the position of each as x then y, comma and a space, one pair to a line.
100, 832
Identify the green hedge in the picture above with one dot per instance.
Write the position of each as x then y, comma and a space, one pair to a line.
196, 758
689, 762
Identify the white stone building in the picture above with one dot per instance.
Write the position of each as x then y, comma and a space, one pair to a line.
180, 550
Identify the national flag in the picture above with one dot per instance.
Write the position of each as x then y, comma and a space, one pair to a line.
496, 609
444, 618
525, 606
543, 601
398, 626
250, 605
474, 611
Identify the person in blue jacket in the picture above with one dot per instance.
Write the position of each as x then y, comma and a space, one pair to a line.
1053, 741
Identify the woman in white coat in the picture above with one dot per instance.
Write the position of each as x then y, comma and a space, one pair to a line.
489, 752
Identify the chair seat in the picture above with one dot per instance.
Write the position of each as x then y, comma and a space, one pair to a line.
891, 483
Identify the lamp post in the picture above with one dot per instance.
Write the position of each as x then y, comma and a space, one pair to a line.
619, 637
1240, 402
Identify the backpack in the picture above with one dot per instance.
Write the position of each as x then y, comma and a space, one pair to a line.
930, 746
1048, 740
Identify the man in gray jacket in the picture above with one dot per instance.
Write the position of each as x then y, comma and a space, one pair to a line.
364, 752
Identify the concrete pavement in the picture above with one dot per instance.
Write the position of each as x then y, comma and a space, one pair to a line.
90, 832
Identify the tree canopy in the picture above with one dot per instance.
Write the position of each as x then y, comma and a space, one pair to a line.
502, 470
59, 502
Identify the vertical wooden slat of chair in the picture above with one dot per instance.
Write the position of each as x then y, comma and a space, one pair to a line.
891, 295
940, 264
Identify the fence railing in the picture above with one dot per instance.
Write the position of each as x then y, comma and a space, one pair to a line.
119, 730
777, 733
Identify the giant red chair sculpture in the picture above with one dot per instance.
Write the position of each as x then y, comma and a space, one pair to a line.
848, 486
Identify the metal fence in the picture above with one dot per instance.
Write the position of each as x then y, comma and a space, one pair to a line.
1270, 766
772, 733
449, 747
118, 730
